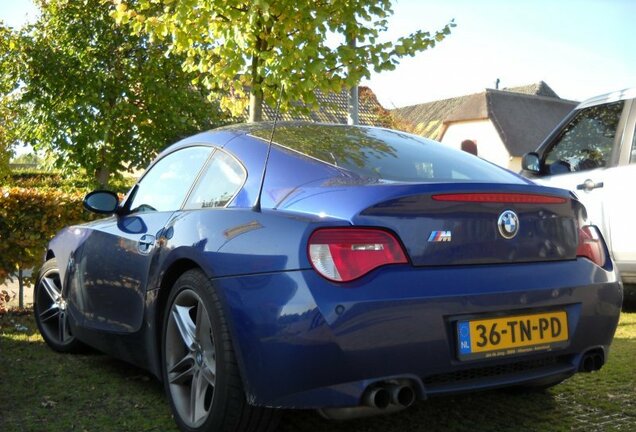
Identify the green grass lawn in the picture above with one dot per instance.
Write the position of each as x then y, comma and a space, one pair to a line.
41, 390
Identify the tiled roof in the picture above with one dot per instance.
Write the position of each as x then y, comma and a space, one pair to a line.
426, 119
537, 89
334, 108
522, 115
521, 120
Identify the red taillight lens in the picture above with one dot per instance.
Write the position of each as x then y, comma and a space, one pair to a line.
590, 245
345, 254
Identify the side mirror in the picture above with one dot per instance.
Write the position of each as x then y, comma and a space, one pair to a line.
101, 202
531, 163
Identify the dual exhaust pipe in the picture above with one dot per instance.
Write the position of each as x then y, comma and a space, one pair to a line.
379, 398
383, 395
393, 396
592, 361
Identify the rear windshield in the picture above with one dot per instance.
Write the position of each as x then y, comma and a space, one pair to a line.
387, 155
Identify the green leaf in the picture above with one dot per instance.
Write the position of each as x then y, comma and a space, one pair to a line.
100, 96
276, 41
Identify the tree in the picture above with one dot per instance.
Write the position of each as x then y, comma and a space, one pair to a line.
99, 97
28, 159
255, 46
9, 69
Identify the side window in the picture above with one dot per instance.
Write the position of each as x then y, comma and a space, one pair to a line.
587, 141
166, 185
223, 178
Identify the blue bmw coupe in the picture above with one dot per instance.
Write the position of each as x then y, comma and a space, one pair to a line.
351, 270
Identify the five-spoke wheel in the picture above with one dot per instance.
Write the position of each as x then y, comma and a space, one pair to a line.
190, 358
200, 371
50, 309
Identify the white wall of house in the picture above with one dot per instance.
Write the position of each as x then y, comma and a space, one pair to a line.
515, 164
489, 144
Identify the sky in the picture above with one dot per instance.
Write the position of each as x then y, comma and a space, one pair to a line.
580, 48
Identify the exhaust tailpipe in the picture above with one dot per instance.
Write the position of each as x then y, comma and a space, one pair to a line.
587, 363
592, 361
598, 361
377, 397
402, 395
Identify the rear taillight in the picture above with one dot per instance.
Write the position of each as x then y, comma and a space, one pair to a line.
591, 245
505, 197
345, 254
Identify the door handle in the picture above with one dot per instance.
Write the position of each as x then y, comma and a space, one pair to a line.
589, 185
146, 242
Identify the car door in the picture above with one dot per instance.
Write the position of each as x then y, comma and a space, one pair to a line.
620, 202
116, 257
584, 155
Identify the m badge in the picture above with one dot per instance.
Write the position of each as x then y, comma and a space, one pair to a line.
440, 236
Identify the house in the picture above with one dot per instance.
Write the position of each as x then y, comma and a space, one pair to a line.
501, 125
334, 108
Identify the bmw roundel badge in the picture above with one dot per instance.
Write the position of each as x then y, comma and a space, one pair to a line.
508, 224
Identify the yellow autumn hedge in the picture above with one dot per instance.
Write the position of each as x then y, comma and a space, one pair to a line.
29, 218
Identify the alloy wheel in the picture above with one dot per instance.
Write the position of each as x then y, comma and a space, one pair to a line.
190, 357
50, 308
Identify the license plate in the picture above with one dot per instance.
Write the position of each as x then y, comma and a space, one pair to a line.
519, 334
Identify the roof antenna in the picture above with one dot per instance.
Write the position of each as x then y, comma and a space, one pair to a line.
257, 204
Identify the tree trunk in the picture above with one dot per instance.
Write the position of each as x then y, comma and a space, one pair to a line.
256, 92
102, 174
256, 106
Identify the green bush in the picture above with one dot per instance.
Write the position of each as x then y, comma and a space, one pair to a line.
54, 179
29, 218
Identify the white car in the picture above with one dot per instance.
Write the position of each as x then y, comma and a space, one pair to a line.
593, 153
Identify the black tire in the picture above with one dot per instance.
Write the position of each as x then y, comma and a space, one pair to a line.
49, 309
223, 405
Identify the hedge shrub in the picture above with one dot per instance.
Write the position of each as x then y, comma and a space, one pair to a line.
55, 179
29, 218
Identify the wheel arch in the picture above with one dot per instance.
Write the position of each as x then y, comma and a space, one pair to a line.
168, 279
170, 276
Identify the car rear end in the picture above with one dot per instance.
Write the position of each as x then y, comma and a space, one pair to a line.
426, 288
534, 304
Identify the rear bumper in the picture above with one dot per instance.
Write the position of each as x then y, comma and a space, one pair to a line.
304, 342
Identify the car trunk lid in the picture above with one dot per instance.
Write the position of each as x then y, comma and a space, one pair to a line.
479, 223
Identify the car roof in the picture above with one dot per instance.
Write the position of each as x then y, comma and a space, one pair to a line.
220, 136
629, 93
260, 131
268, 126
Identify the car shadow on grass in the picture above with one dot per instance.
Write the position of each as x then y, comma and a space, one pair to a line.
44, 390
492, 410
